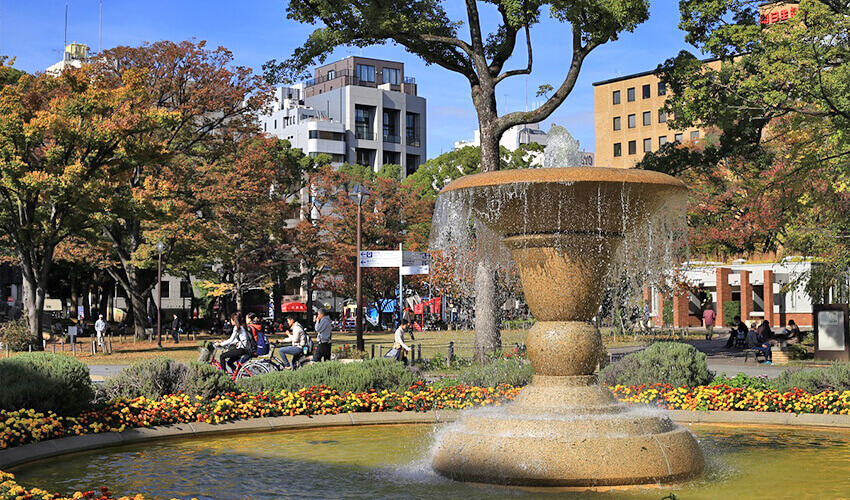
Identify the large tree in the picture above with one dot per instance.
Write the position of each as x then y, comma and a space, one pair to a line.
424, 28
212, 105
773, 174
61, 139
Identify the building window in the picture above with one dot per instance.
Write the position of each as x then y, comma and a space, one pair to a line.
166, 289
662, 89
662, 116
695, 135
327, 135
392, 158
617, 123
412, 164
366, 73
391, 126
677, 138
630, 94
363, 123
365, 157
646, 91
412, 129
392, 76
662, 140
186, 289
647, 145
616, 97
632, 147
331, 75
632, 122
618, 149
647, 118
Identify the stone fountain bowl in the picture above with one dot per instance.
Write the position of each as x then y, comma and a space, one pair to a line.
563, 226
607, 201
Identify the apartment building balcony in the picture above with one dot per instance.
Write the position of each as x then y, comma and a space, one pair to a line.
342, 78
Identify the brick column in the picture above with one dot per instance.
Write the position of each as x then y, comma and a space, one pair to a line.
746, 297
681, 299
723, 293
768, 298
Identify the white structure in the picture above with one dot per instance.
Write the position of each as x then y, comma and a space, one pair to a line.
359, 110
75, 55
513, 138
307, 129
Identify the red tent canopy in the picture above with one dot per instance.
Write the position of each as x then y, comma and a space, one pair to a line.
293, 307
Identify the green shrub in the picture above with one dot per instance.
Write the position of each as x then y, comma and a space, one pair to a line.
155, 378
16, 335
760, 382
671, 363
835, 377
514, 371
730, 310
378, 374
205, 380
44, 382
152, 379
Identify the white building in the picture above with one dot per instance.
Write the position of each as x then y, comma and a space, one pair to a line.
75, 55
513, 138
359, 110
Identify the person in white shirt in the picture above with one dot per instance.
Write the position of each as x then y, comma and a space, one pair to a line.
238, 342
100, 329
399, 344
298, 338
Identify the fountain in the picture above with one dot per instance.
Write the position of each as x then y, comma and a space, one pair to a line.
564, 227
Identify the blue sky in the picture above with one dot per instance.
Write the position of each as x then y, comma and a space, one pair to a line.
257, 31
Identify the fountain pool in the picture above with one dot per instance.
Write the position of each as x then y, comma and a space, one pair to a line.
393, 462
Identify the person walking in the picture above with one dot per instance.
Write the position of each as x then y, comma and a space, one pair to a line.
323, 337
239, 344
100, 329
175, 329
708, 317
299, 339
398, 340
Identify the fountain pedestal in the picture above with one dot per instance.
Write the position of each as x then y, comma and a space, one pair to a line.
565, 429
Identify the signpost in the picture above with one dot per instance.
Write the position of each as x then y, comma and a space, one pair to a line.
408, 264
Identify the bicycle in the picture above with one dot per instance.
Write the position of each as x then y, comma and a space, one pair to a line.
271, 361
244, 367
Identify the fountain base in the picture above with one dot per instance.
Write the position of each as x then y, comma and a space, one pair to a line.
566, 431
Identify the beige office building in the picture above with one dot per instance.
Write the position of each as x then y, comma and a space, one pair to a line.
629, 120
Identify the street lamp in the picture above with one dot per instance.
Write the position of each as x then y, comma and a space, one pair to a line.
359, 195
159, 249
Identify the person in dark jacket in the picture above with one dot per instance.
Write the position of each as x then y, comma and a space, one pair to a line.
175, 329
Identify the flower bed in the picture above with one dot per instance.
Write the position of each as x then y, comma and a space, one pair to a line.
727, 398
27, 426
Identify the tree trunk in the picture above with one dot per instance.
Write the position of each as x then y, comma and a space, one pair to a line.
487, 334
308, 286
136, 291
75, 298
33, 306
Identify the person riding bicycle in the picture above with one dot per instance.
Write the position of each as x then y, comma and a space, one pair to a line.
239, 342
255, 328
299, 340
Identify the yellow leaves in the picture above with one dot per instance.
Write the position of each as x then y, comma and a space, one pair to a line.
214, 289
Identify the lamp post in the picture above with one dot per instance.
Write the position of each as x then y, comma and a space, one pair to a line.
359, 195
159, 248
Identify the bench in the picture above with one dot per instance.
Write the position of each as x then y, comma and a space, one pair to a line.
755, 352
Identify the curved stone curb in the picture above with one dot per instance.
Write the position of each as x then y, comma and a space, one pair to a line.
760, 418
53, 447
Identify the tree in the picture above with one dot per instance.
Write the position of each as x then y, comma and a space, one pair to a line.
60, 140
424, 28
393, 214
243, 199
212, 105
773, 175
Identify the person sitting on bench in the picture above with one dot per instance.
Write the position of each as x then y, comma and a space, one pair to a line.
740, 331
759, 343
